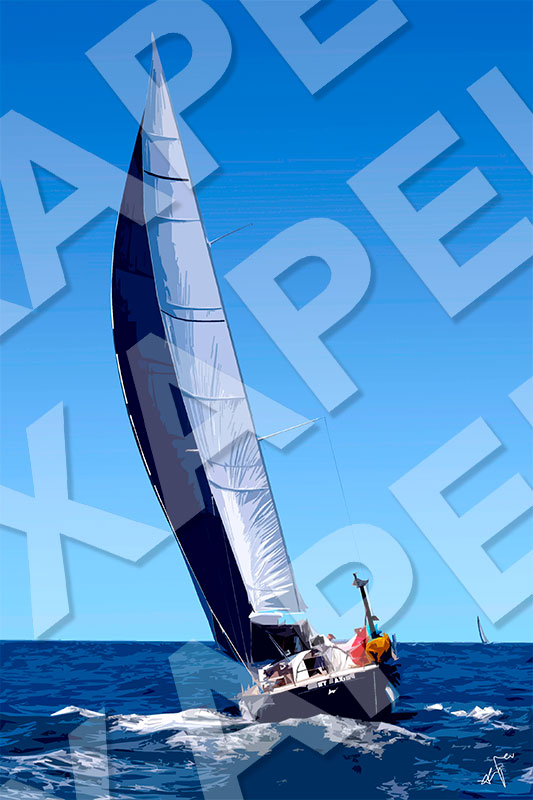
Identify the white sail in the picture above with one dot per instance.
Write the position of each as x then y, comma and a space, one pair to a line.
205, 361
482, 635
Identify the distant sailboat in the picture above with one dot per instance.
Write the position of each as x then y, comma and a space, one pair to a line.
482, 632
192, 422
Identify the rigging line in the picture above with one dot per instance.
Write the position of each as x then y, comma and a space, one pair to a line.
241, 659
196, 579
300, 424
233, 590
236, 230
276, 645
341, 485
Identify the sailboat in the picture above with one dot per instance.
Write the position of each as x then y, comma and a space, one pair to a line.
191, 419
482, 635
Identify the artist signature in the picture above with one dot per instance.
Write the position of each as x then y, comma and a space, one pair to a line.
497, 769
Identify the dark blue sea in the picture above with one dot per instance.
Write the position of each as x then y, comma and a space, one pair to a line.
155, 720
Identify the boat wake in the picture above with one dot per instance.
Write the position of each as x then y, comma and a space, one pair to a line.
223, 736
89, 747
190, 719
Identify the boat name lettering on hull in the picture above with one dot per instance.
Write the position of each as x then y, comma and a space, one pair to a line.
331, 681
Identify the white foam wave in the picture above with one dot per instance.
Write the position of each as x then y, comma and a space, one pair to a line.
323, 732
479, 713
220, 737
83, 712
189, 719
201, 729
252, 740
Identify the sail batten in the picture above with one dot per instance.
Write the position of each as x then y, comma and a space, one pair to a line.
205, 362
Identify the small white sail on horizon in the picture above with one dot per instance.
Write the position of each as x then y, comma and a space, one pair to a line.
482, 635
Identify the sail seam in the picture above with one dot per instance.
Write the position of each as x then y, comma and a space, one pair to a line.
196, 308
154, 135
232, 466
239, 488
164, 177
172, 219
184, 319
204, 397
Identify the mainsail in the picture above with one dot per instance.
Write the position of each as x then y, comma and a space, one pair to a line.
196, 435
161, 428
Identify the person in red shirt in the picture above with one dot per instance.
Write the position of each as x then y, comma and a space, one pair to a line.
357, 649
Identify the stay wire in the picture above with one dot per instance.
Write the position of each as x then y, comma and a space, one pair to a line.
341, 486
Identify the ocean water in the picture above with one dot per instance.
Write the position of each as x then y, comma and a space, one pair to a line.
158, 720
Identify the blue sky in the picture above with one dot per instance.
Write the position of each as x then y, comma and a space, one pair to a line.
285, 155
